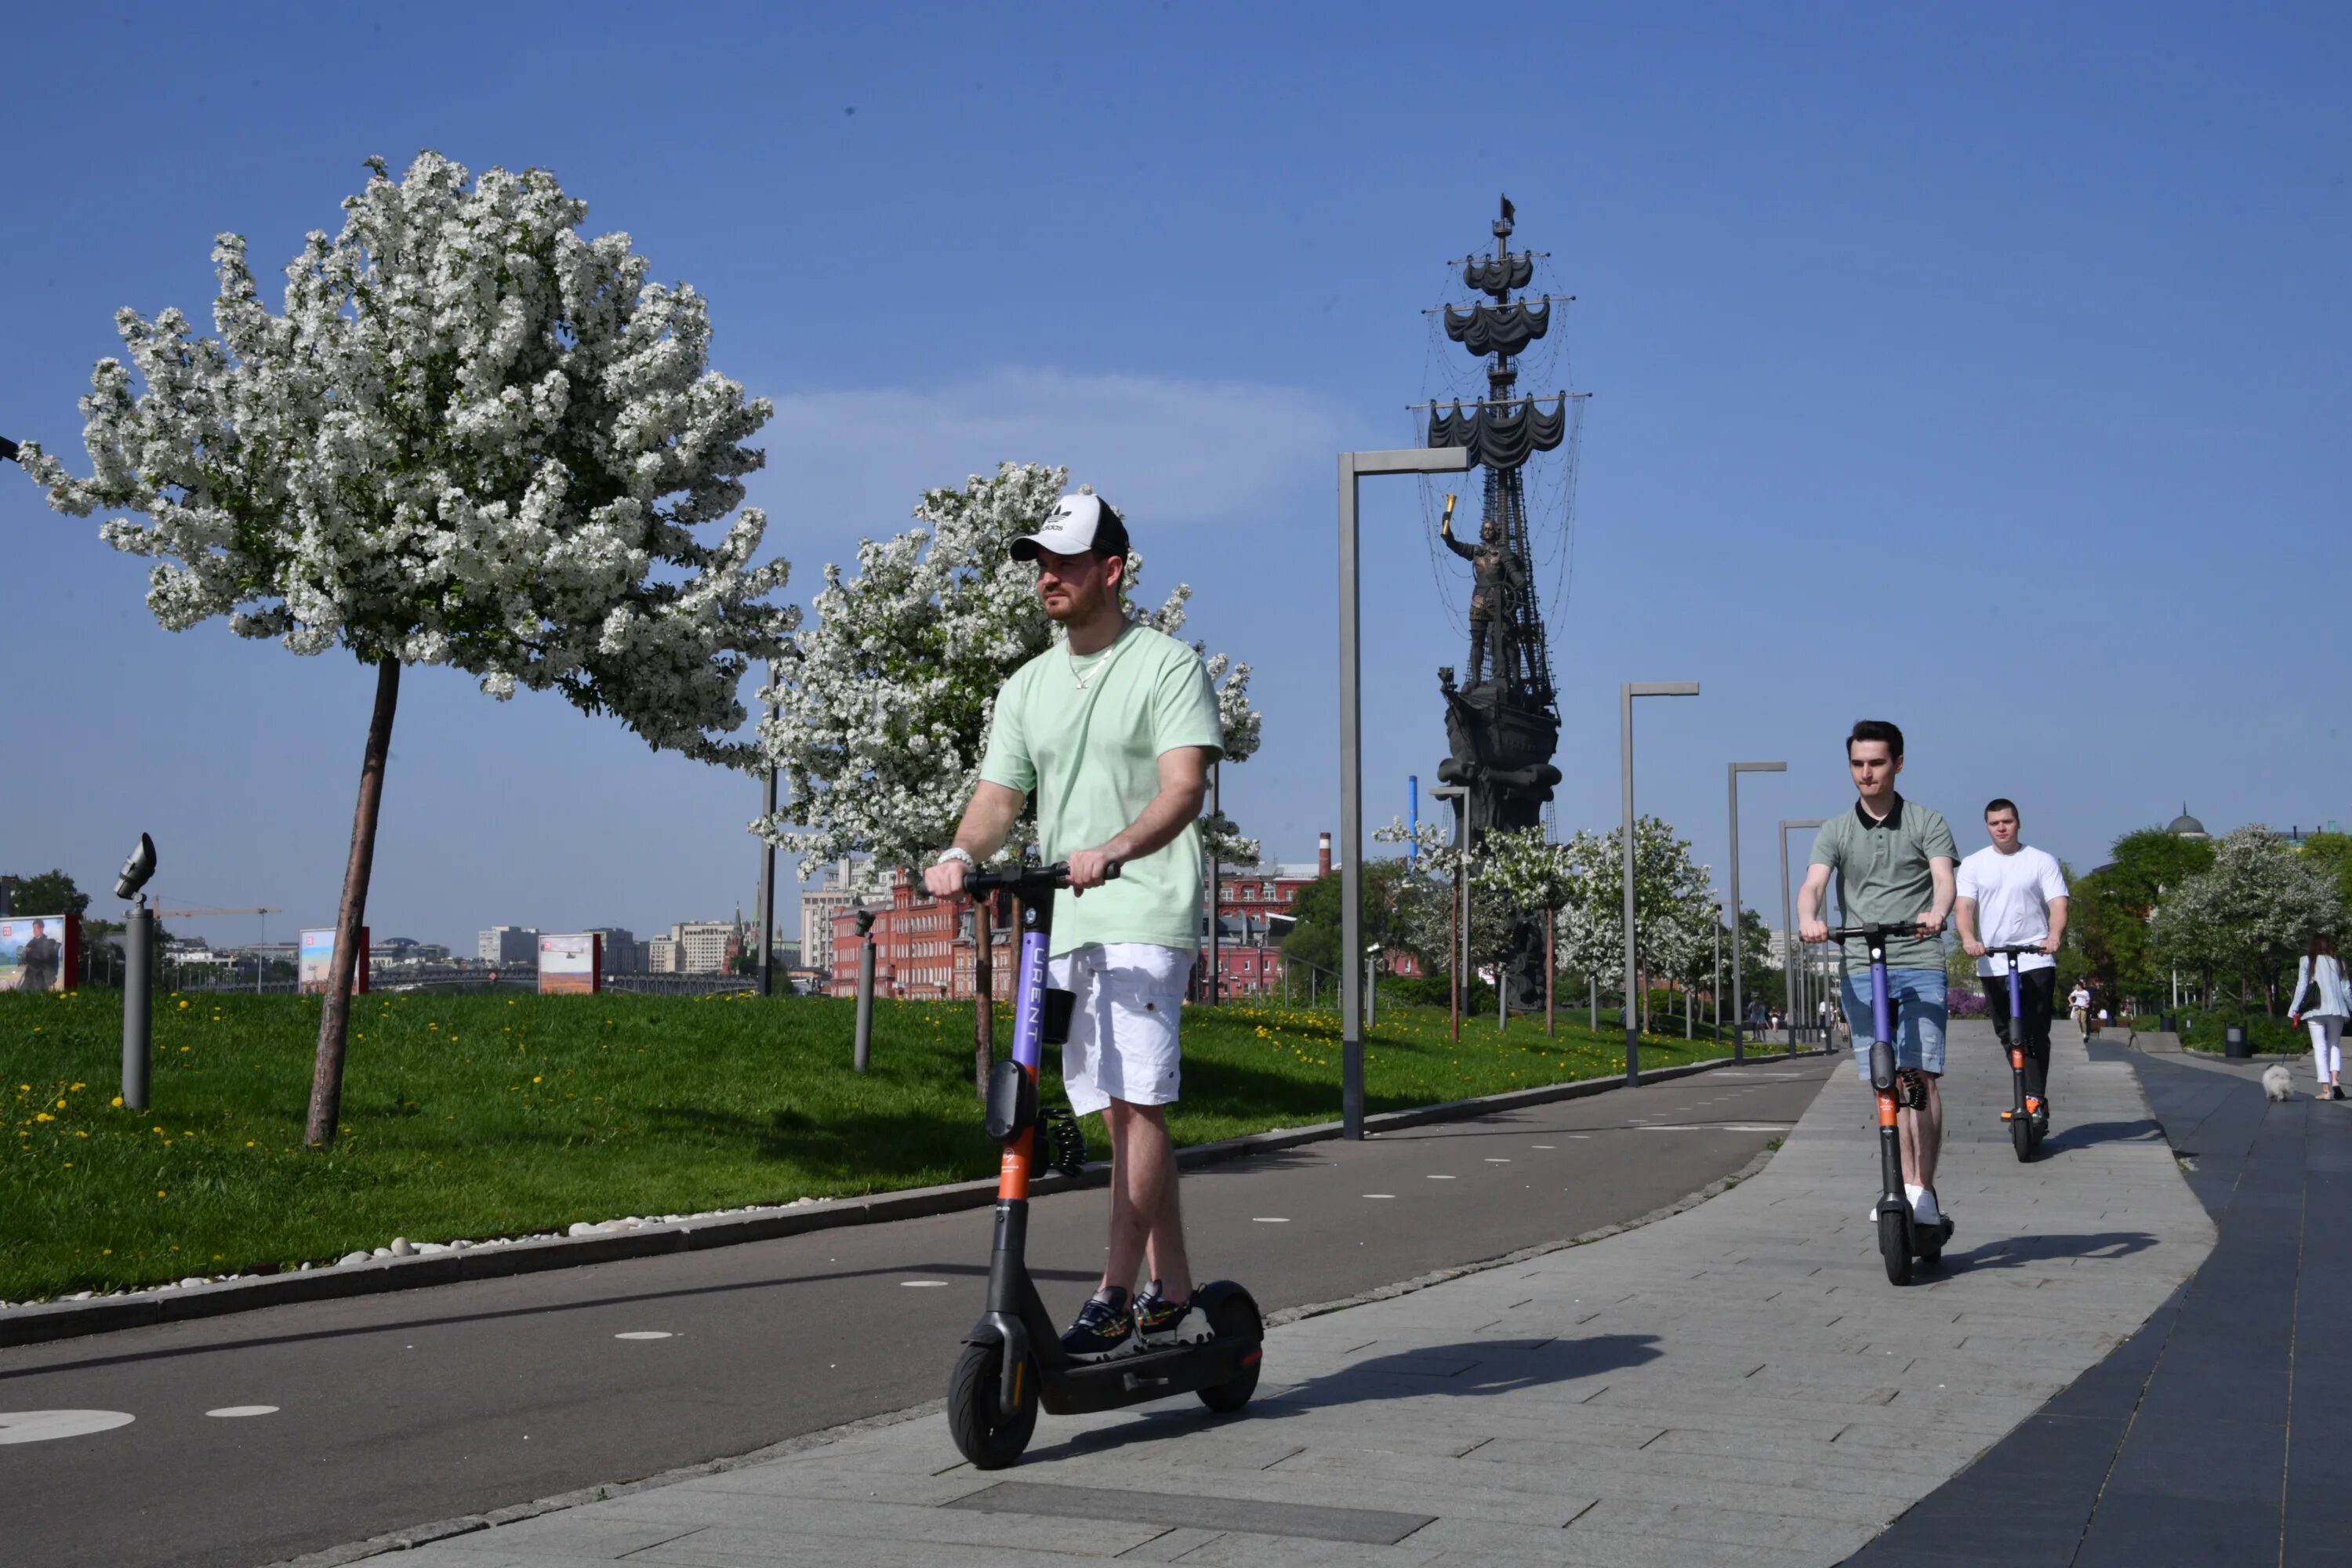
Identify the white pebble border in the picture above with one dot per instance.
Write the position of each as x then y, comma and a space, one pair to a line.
400, 1247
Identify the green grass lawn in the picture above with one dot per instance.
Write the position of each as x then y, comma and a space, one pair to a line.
487, 1115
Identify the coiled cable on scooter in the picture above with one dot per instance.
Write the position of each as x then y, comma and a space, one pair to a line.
1061, 1142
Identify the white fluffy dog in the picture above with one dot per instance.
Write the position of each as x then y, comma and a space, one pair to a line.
2277, 1083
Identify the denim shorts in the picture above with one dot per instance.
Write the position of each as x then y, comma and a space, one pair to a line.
1918, 998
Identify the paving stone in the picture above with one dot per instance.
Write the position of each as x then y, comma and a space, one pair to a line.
1737, 1384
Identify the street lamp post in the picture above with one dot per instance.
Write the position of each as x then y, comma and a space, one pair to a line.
1625, 695
768, 864
1353, 466
1789, 944
1738, 974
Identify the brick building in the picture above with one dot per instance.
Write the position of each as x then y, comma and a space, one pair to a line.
922, 945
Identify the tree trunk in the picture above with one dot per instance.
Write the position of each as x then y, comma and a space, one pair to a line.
334, 1017
983, 997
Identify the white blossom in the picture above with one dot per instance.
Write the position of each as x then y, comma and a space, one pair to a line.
473, 437
882, 719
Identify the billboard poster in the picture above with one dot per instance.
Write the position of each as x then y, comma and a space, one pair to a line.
39, 952
571, 965
314, 963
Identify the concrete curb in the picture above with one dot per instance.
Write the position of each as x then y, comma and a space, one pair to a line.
71, 1319
467, 1525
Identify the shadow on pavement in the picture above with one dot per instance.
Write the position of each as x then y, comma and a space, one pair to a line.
2089, 1132
2014, 1251
1472, 1368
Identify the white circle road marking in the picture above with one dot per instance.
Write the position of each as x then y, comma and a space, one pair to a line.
644, 1334
42, 1426
231, 1412
922, 1284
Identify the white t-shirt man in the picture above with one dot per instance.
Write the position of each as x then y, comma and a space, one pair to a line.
2013, 893
2078, 1000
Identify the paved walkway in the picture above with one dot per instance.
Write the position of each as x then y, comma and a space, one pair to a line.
2223, 1432
1735, 1385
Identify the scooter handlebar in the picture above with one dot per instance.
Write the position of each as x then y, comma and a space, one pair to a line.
2021, 949
1873, 932
1027, 879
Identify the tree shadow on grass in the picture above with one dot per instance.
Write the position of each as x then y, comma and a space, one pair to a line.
887, 1148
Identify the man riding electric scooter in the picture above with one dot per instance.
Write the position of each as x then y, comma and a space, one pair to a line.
2014, 896
1111, 732
1892, 860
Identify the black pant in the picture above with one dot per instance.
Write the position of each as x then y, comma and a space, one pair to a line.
2036, 988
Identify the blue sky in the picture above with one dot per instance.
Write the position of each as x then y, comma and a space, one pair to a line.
1981, 368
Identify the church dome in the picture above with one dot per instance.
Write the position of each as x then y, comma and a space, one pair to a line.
2186, 826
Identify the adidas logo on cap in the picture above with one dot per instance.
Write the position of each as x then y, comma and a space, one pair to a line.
1078, 524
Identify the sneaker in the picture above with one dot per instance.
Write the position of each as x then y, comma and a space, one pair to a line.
1103, 1328
1923, 1208
1160, 1322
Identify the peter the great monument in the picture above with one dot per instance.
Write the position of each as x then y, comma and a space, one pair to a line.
1502, 722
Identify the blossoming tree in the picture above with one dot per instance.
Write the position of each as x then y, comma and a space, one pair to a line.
474, 438
881, 721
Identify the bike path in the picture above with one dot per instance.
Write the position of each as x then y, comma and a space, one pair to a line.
392, 1411
2223, 1432
1736, 1384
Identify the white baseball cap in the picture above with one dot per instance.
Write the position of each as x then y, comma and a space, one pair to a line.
1078, 524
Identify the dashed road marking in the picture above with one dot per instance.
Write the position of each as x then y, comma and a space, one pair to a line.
234, 1412
46, 1425
644, 1334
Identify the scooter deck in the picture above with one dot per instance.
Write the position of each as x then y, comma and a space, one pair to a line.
1080, 1388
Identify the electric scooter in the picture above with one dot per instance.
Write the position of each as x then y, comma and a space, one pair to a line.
1901, 1238
1012, 1361
2029, 1115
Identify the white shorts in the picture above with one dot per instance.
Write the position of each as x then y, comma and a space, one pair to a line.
1123, 1044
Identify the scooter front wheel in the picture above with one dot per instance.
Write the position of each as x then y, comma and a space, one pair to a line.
1895, 1244
1235, 1318
2021, 1133
985, 1432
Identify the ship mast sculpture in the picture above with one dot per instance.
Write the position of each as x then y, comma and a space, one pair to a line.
1502, 720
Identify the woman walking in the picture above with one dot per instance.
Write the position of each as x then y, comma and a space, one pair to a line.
2321, 973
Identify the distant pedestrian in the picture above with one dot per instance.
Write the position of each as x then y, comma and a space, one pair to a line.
2078, 1002
2321, 971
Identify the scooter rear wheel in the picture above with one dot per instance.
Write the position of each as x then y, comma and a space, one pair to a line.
2021, 1133
984, 1433
1894, 1246
1235, 1318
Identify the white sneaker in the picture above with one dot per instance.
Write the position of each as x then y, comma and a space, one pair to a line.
1923, 1208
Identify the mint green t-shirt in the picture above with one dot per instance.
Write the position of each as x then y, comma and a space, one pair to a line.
1090, 757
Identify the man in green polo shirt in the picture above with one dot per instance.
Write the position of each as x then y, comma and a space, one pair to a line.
1892, 860
1111, 732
